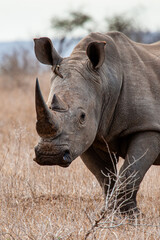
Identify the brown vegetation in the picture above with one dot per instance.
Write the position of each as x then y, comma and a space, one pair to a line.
51, 203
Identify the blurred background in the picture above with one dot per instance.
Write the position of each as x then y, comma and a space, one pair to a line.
66, 22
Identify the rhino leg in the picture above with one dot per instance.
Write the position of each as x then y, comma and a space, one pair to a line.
100, 164
143, 150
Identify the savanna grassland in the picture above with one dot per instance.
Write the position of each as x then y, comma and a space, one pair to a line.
52, 203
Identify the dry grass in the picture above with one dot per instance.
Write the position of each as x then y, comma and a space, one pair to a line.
48, 203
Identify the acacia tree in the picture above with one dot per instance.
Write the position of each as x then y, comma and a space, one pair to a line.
126, 25
121, 24
76, 20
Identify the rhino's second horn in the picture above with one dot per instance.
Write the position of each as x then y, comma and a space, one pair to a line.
47, 123
57, 104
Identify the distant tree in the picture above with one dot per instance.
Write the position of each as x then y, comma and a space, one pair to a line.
66, 26
121, 23
125, 25
77, 20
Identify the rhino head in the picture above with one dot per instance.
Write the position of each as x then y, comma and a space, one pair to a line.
67, 124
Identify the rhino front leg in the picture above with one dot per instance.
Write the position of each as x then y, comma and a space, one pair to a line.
143, 150
102, 167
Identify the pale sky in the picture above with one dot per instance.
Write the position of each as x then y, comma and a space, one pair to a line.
25, 19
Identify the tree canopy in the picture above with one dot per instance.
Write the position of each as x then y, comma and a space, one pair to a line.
75, 20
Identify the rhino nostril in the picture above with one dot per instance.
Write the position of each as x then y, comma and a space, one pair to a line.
67, 156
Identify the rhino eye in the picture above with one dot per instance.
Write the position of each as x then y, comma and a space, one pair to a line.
82, 117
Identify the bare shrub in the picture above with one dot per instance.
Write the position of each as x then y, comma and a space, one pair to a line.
111, 221
17, 67
111, 217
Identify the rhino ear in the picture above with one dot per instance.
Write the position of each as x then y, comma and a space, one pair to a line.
96, 53
45, 52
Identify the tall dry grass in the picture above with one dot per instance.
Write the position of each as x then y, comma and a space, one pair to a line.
48, 203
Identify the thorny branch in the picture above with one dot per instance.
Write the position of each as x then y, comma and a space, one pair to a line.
111, 217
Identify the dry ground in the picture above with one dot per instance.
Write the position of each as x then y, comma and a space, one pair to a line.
48, 203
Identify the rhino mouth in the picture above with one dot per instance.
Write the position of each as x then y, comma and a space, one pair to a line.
62, 158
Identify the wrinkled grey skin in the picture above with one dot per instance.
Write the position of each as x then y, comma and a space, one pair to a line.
107, 91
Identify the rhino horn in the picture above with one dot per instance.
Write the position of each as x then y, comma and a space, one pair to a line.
47, 123
57, 104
